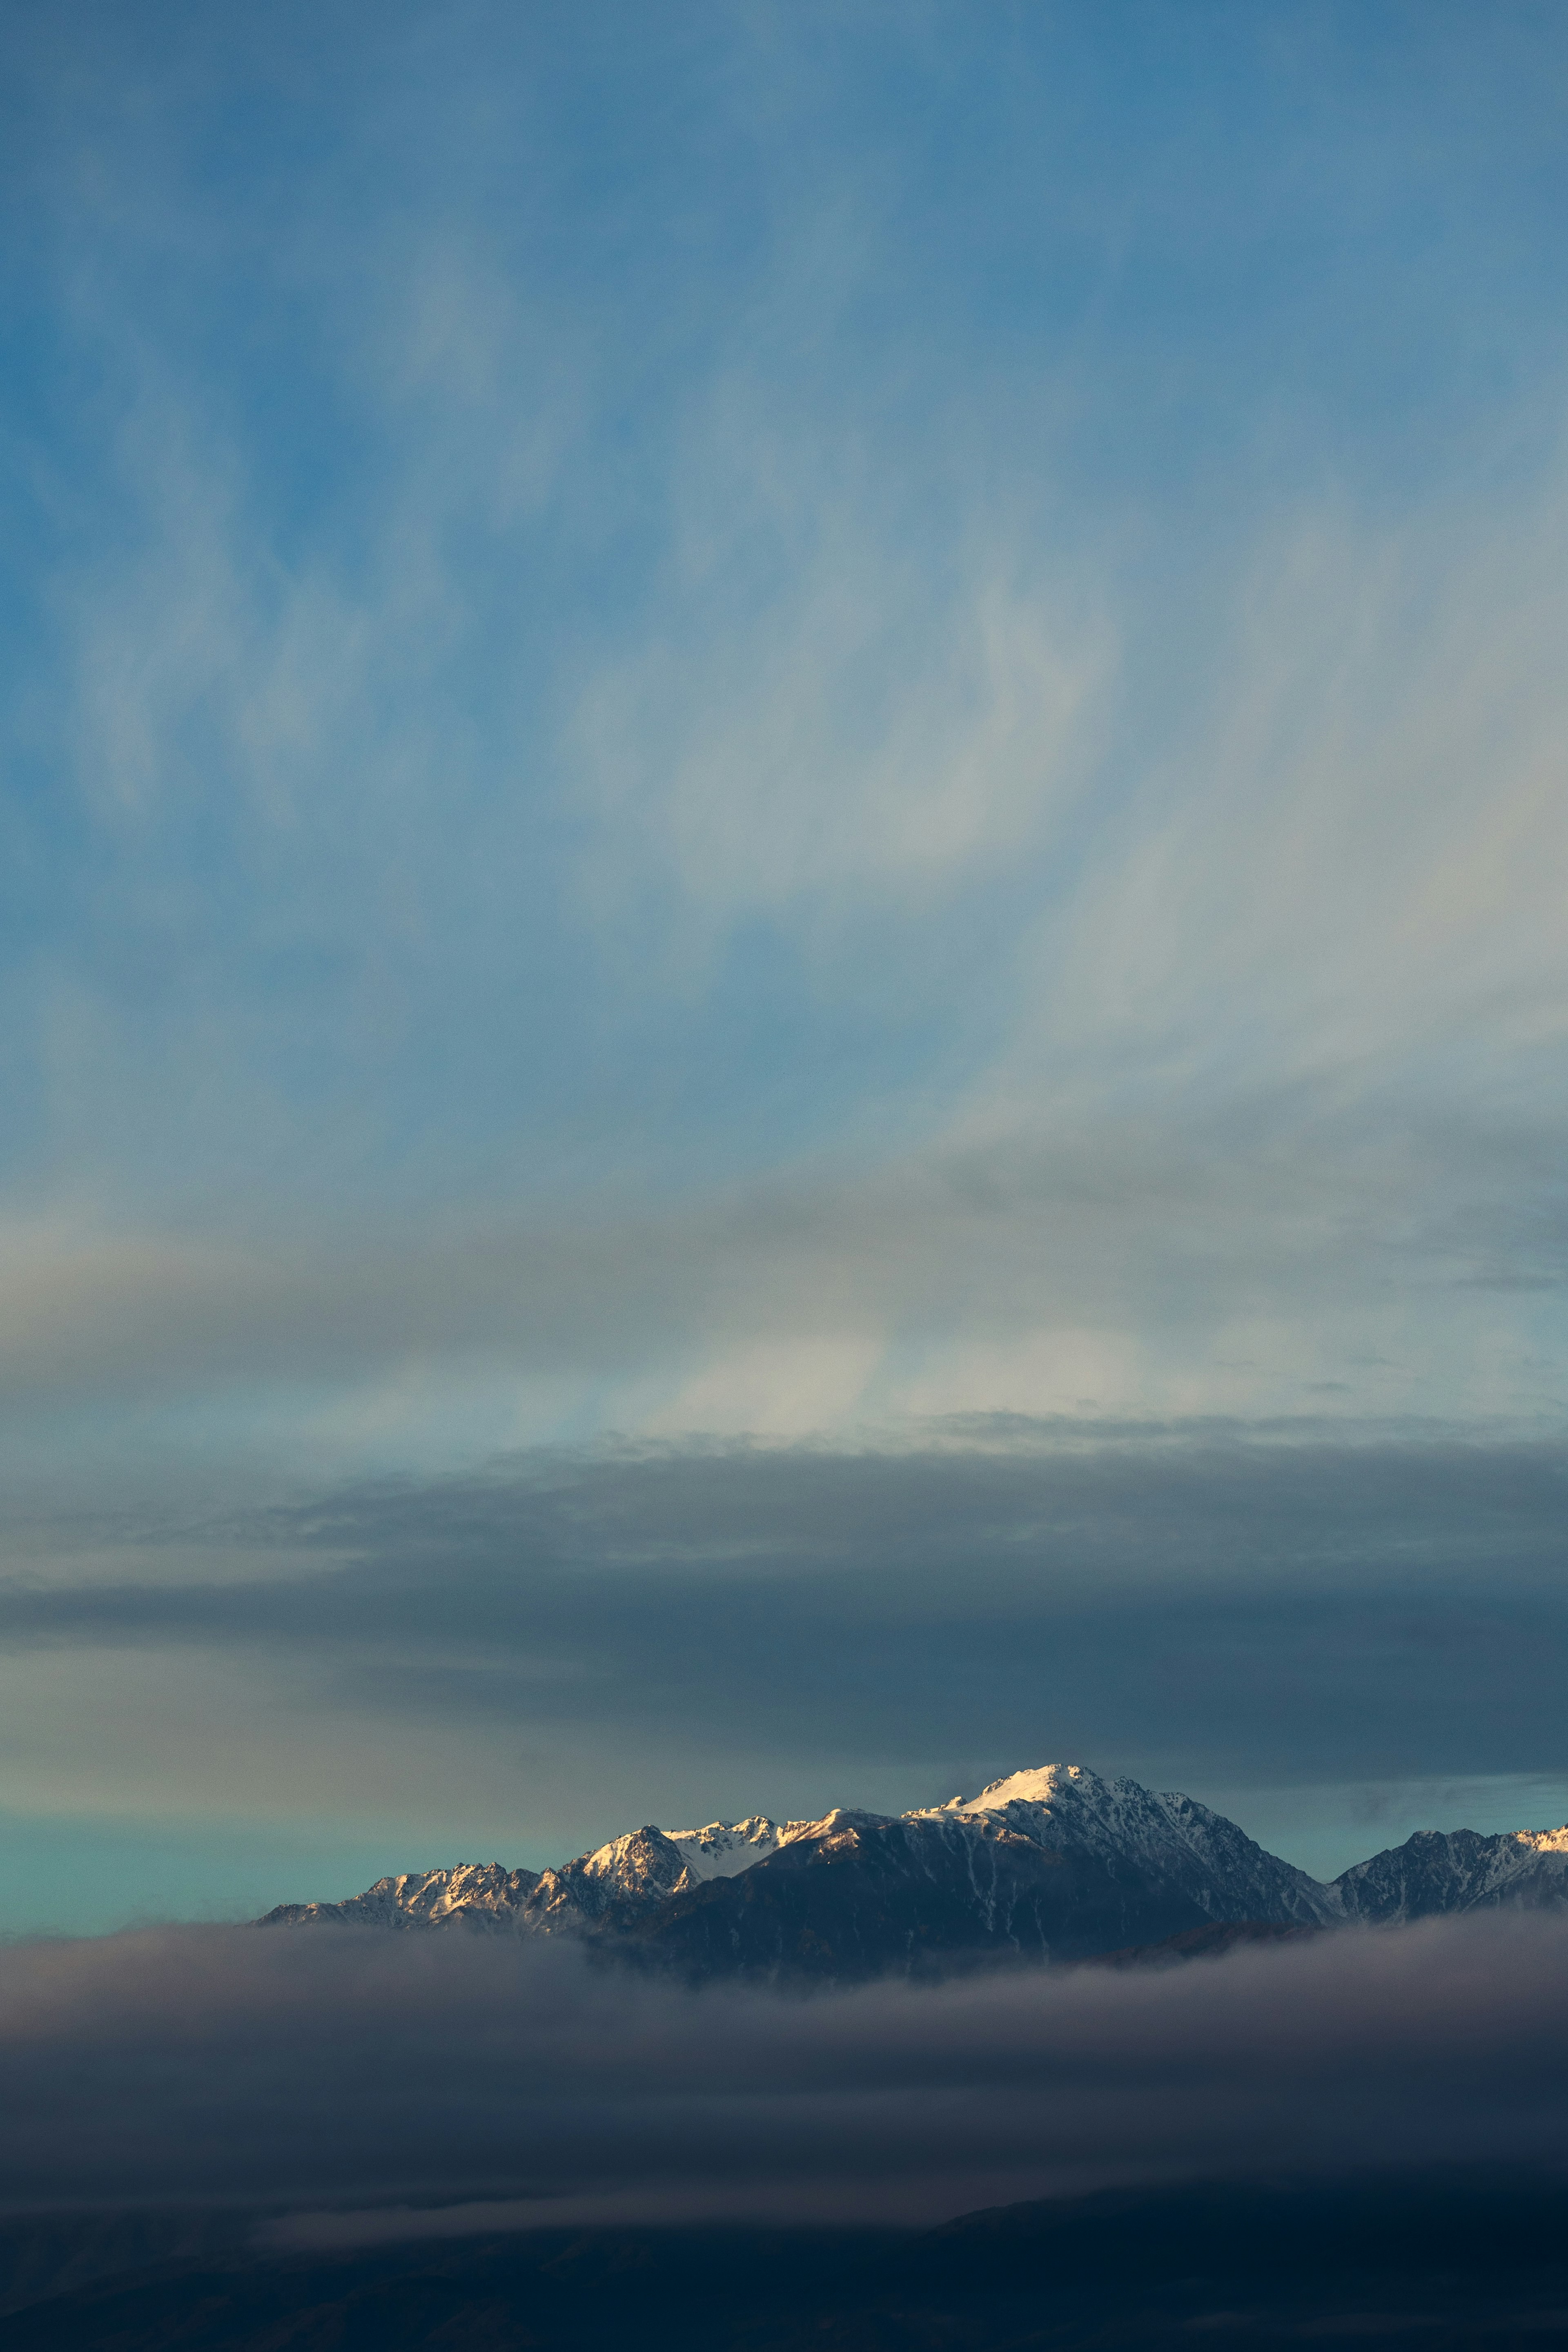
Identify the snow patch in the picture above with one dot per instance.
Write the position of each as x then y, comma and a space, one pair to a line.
723, 1849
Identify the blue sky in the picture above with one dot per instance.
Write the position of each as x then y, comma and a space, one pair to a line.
832, 732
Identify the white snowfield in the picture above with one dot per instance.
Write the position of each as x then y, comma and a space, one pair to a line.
1067, 1809
723, 1849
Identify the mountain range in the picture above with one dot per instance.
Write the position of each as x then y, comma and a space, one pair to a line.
1050, 1865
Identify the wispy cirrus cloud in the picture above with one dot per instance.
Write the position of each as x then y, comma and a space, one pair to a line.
755, 735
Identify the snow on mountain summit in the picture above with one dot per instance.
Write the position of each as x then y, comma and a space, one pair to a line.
1037, 1785
1053, 1862
1164, 1834
723, 1849
1117, 1827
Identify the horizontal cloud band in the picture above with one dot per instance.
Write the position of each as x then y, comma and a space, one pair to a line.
348, 2070
1191, 1601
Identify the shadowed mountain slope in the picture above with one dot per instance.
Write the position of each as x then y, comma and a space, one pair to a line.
1437, 1872
1051, 1864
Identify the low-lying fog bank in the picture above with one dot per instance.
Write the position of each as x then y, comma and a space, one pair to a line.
361, 2086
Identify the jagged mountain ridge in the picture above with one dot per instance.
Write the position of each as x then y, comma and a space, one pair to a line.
471, 1894
1440, 1871
605, 1885
1050, 1865
1053, 1865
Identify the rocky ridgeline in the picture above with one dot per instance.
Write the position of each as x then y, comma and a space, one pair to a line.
1053, 1865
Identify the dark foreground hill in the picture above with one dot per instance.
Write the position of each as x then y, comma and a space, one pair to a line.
1429, 2264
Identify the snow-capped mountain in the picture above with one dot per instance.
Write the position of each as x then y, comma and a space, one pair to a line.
1458, 1870
602, 1892
1171, 1837
472, 1895
1050, 1865
1054, 1864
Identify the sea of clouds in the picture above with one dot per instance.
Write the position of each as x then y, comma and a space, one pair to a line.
352, 2087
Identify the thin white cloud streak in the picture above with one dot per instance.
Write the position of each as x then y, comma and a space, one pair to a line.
281, 759
831, 709
1299, 953
213, 664
1218, 1257
1349, 867
1335, 924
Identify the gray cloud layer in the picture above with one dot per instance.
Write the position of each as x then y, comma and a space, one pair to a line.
1206, 1227
1185, 1600
340, 2070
